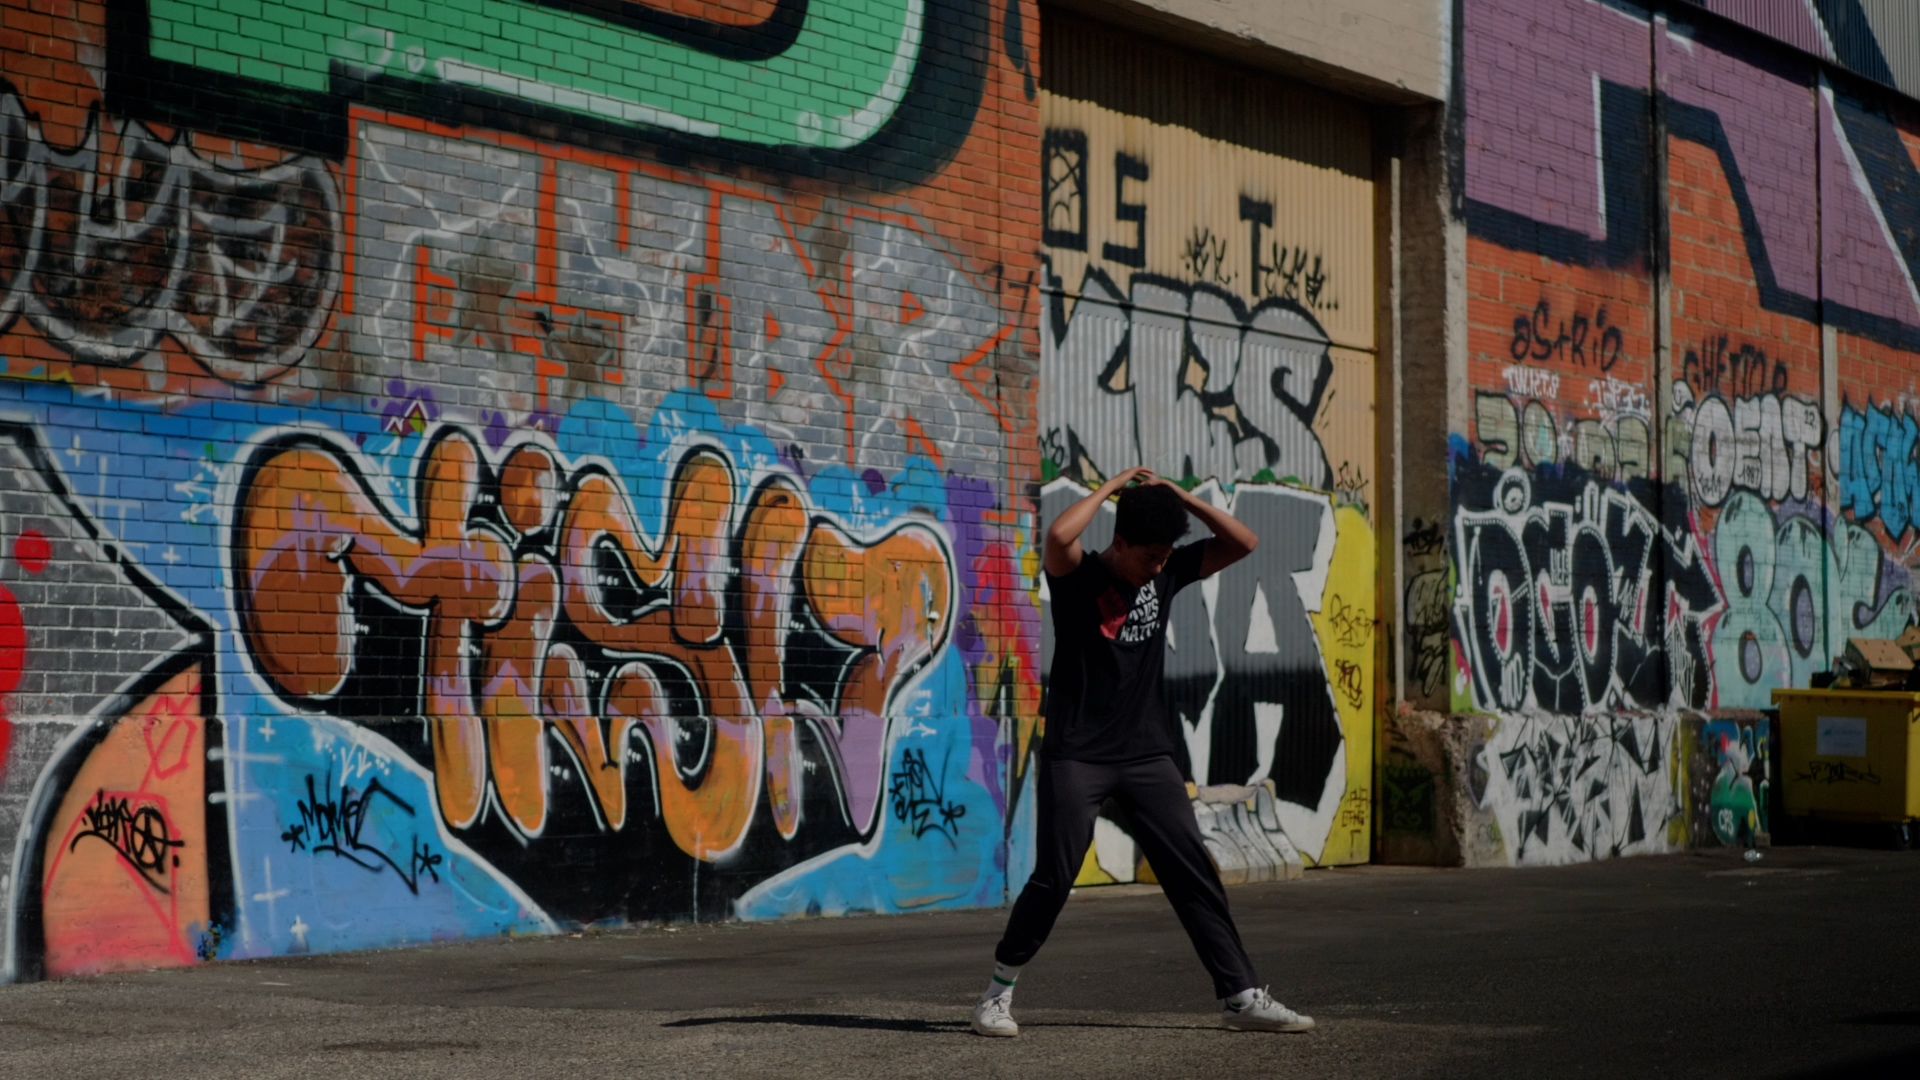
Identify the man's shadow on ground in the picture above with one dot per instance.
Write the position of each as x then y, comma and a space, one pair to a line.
888, 1023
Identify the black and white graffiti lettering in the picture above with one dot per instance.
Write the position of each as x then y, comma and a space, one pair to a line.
1759, 444
1252, 690
1569, 789
1184, 379
1579, 599
240, 267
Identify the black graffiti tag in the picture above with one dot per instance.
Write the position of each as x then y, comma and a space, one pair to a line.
1716, 367
1583, 342
1409, 791
334, 826
1837, 772
1425, 538
920, 797
1205, 257
1289, 272
140, 835
1573, 596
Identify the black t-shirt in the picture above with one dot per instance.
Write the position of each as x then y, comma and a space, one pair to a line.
1106, 700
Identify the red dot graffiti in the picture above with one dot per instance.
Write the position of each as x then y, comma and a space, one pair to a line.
1503, 617
32, 552
13, 660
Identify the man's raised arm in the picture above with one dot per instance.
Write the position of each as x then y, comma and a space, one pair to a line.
1062, 554
1231, 540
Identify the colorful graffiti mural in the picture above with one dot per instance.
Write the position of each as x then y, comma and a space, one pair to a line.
1738, 775
1213, 329
1266, 671
1686, 480
417, 529
507, 620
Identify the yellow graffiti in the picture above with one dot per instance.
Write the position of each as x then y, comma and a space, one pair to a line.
1347, 647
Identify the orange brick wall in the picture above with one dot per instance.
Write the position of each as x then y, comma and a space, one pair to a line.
1711, 516
487, 470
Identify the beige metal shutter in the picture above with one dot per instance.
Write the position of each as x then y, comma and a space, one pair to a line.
1209, 311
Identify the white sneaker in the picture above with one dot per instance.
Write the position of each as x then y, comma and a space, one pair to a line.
994, 1017
1265, 1014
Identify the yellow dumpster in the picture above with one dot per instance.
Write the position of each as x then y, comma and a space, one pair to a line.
1850, 755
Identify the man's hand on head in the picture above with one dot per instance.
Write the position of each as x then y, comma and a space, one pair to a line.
1139, 474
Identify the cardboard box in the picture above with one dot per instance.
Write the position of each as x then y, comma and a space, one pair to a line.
1878, 662
1909, 642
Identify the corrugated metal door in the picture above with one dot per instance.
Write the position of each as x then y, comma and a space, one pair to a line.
1892, 32
1878, 39
1210, 313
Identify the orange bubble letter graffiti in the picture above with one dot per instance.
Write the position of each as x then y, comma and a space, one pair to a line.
309, 531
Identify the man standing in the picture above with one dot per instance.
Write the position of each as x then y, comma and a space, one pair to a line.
1110, 733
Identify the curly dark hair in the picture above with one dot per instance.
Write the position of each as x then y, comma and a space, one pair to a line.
1150, 514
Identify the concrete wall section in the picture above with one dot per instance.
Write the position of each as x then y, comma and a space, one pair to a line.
1393, 51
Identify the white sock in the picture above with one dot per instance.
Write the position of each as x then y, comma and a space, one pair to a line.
1001, 985
1242, 999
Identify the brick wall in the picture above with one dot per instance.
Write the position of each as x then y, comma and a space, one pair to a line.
489, 468
1692, 320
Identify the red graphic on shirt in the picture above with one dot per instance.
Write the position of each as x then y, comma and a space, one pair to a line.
1113, 613
1130, 620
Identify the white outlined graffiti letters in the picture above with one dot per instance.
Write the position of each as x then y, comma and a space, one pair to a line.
548, 616
1186, 380
107, 255
1579, 602
1244, 664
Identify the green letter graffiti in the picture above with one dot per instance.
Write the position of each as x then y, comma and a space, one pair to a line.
822, 74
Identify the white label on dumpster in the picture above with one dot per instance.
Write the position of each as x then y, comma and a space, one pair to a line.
1842, 736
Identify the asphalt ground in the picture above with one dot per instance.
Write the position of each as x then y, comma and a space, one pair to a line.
1803, 964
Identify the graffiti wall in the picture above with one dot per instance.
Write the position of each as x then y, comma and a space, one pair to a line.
1873, 39
1732, 774
1207, 311
453, 487
1685, 480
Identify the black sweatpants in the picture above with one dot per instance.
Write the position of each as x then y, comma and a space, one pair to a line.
1070, 795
